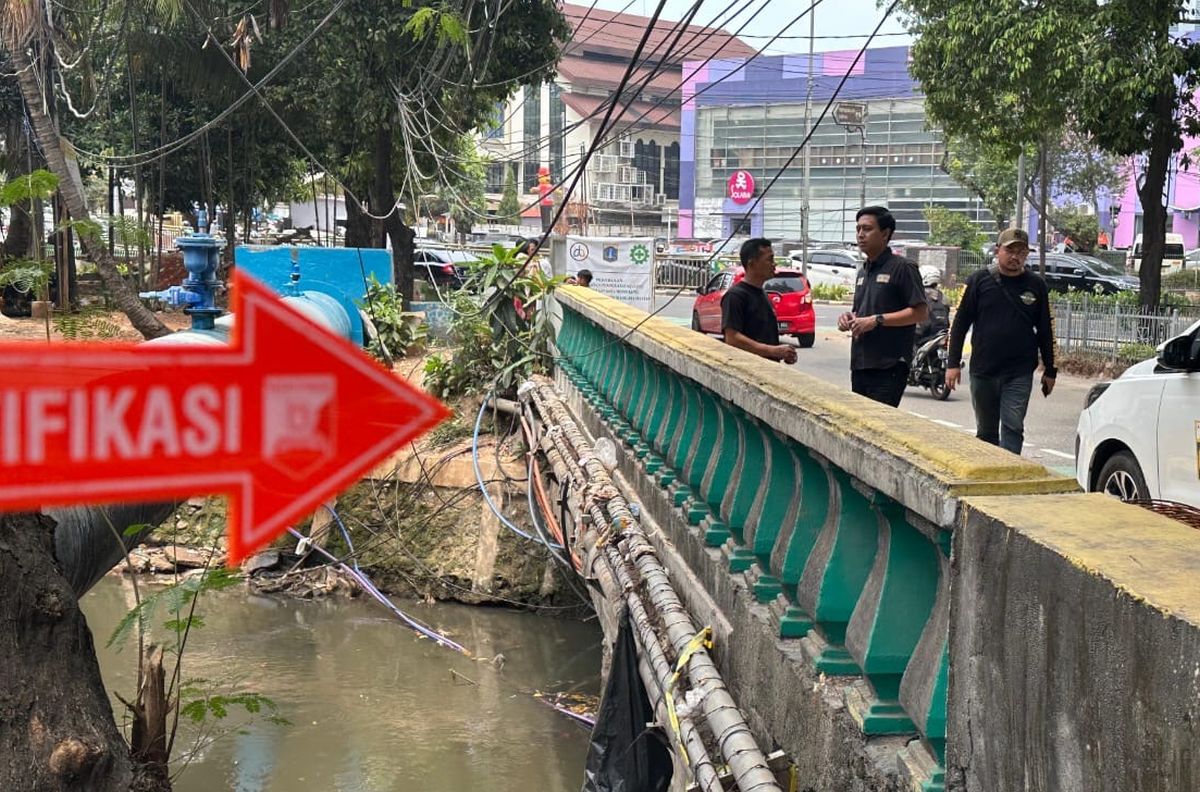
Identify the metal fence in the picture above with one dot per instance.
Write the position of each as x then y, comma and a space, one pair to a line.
685, 271
1116, 331
969, 262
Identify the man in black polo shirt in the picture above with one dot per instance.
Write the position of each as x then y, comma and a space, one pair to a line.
1007, 309
747, 319
889, 300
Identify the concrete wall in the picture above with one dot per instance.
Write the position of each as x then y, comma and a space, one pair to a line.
1075, 648
896, 605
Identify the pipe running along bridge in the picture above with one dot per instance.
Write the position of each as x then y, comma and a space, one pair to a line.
892, 605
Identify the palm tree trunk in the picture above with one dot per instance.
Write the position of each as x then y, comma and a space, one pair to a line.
71, 184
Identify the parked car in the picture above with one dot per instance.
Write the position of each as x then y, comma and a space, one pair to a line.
788, 291
1173, 255
1139, 435
829, 267
442, 267
1076, 272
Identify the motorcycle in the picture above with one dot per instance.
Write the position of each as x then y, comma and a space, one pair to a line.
928, 368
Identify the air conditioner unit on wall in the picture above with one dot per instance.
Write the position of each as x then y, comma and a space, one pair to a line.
660, 199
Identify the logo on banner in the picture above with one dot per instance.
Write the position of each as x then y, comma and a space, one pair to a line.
579, 251
610, 253
740, 187
640, 254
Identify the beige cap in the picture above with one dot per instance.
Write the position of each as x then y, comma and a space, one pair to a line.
1011, 236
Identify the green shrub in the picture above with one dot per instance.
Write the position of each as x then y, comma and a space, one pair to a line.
85, 325
1184, 279
831, 292
1136, 352
501, 330
398, 331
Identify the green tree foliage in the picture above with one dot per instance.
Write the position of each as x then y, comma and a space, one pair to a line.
1080, 168
465, 191
502, 328
509, 212
1081, 227
989, 171
947, 227
1011, 73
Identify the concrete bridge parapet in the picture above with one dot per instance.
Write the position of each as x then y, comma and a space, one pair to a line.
816, 531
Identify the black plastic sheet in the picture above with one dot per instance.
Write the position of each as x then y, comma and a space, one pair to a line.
627, 752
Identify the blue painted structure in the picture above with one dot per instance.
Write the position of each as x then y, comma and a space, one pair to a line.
201, 254
340, 273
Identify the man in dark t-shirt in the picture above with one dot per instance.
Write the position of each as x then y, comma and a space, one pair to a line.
1007, 309
747, 319
889, 301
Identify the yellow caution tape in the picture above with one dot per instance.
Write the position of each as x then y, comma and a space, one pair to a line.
701, 640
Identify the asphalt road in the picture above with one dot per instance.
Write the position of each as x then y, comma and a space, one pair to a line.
1049, 426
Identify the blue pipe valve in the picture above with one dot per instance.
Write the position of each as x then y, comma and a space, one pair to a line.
201, 254
174, 296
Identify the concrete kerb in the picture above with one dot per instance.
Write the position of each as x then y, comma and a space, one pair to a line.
918, 463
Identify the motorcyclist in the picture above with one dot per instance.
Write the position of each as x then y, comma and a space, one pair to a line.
939, 309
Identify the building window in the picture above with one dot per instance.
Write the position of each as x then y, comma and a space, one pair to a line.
532, 138
671, 172
495, 176
558, 120
496, 130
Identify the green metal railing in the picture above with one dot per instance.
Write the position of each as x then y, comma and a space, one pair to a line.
843, 566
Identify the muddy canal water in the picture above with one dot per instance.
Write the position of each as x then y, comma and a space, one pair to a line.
372, 707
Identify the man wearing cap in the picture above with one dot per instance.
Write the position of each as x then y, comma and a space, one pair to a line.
1009, 308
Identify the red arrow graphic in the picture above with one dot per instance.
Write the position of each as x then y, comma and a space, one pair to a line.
285, 417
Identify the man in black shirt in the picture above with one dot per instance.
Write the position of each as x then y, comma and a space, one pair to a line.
889, 300
747, 319
1009, 308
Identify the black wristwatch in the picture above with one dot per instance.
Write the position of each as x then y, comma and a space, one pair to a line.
879, 320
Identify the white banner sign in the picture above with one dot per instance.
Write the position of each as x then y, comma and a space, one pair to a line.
621, 268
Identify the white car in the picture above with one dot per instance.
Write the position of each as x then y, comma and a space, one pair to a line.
1139, 435
830, 267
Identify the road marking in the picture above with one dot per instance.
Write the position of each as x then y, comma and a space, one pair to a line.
1058, 453
949, 424
926, 417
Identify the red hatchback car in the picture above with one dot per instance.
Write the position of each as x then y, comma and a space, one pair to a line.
789, 294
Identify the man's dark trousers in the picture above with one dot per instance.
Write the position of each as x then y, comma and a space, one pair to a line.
1000, 404
882, 385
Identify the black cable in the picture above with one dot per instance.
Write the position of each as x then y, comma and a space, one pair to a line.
587, 156
717, 248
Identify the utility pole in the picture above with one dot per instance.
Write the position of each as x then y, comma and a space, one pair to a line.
1043, 155
804, 207
1019, 214
862, 197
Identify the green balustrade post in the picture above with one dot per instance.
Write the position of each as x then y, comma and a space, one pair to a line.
836, 572
778, 504
890, 616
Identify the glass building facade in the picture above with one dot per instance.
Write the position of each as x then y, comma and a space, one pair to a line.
752, 119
